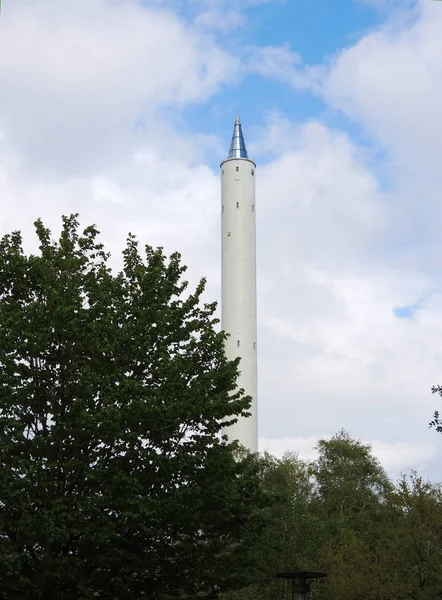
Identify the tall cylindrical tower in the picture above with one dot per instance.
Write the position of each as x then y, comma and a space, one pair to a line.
238, 296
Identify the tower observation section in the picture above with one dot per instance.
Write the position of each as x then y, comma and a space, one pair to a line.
238, 296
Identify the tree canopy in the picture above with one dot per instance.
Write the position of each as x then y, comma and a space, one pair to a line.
341, 514
114, 480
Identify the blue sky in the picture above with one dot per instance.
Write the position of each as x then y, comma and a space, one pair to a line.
314, 31
121, 111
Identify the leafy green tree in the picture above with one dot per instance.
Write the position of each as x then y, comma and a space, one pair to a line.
342, 515
284, 542
288, 481
114, 481
329, 514
416, 524
283, 545
349, 504
350, 484
382, 542
359, 569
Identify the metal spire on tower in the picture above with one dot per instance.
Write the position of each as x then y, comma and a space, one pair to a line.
238, 145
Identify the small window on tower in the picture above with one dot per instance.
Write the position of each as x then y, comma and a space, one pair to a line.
237, 343
228, 234
253, 172
237, 168
222, 210
254, 346
237, 205
223, 171
253, 208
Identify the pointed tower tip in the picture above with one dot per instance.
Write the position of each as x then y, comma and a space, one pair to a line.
238, 145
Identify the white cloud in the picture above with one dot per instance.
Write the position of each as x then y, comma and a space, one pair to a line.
354, 253
74, 79
165, 202
401, 456
304, 447
220, 19
272, 62
391, 82
331, 348
330, 207
92, 70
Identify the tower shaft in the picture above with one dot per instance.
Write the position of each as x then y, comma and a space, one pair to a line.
238, 300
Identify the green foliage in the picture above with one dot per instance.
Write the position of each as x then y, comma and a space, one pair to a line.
351, 490
114, 480
437, 421
342, 515
287, 487
288, 483
112, 388
327, 514
417, 524
350, 485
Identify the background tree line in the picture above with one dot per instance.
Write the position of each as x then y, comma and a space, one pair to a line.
114, 480
340, 513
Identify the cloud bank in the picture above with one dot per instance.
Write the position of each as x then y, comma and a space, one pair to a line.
93, 108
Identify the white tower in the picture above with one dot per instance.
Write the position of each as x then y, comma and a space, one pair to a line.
238, 295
